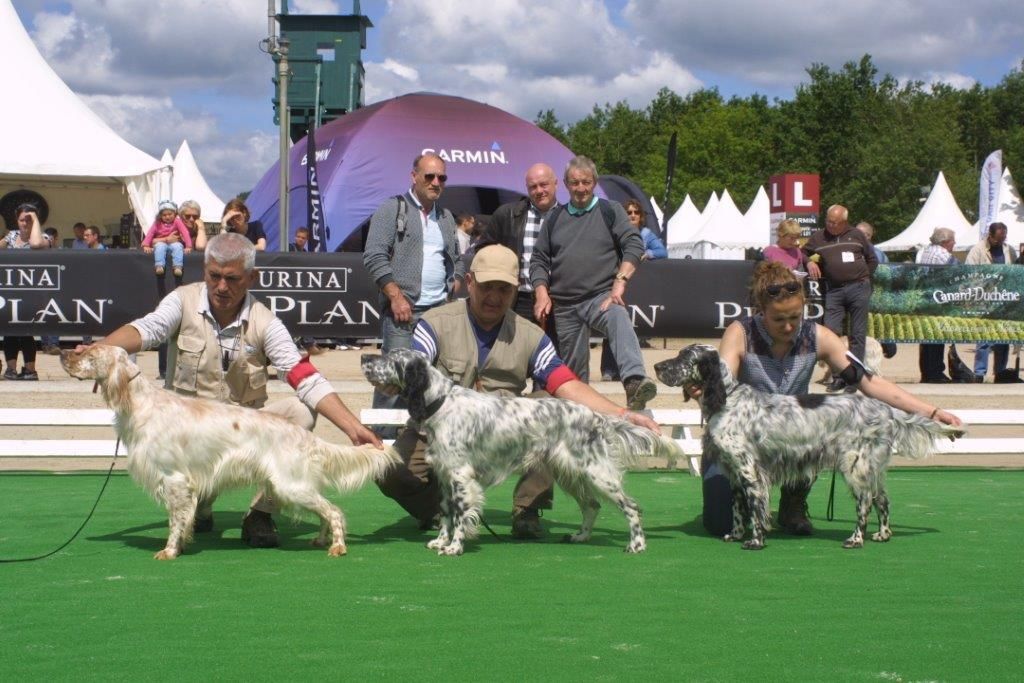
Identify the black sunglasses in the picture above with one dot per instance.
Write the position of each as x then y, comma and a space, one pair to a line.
441, 177
788, 287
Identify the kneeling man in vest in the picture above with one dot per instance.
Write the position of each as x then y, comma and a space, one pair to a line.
480, 343
220, 341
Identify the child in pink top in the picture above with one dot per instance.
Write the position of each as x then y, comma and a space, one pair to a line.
168, 225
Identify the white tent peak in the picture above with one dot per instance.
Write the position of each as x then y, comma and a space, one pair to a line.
758, 216
685, 221
190, 184
940, 210
54, 138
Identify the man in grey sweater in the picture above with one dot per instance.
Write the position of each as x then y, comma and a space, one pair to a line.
413, 255
585, 254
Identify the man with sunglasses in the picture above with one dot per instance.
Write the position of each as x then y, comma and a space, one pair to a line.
845, 258
412, 253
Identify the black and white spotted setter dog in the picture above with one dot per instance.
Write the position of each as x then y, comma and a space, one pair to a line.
476, 440
762, 439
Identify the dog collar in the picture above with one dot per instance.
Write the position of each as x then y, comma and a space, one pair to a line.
433, 407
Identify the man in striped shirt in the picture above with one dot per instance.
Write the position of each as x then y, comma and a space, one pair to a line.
481, 343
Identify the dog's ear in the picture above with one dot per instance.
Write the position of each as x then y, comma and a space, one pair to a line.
415, 380
116, 390
712, 387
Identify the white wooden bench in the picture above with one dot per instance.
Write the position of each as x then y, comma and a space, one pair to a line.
11, 419
681, 422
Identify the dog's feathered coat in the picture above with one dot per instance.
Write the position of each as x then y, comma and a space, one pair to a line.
476, 440
182, 450
761, 439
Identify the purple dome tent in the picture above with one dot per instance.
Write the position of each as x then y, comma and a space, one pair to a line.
366, 156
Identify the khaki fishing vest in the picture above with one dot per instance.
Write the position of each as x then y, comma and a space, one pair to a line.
194, 365
506, 367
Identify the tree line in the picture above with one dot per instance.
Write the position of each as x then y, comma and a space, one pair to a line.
876, 143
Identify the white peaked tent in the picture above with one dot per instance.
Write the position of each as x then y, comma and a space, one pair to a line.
53, 144
939, 211
685, 221
709, 208
758, 219
190, 184
722, 236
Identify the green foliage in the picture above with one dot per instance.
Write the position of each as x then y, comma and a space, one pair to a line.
876, 143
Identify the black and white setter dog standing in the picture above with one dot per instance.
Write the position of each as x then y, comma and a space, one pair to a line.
475, 440
762, 439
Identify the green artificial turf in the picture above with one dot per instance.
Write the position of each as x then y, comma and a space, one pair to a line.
941, 601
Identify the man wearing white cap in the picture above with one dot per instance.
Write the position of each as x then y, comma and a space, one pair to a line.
481, 343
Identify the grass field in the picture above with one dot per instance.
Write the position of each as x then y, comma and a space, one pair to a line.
941, 602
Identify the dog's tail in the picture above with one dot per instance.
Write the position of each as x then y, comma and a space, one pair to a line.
348, 468
915, 435
639, 443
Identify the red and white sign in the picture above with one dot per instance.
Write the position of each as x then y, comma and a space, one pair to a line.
796, 193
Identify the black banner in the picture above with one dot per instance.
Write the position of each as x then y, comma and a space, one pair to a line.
74, 293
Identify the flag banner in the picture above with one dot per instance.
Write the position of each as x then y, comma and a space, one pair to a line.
988, 191
314, 201
73, 293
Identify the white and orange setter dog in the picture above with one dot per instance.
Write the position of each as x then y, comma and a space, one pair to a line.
183, 449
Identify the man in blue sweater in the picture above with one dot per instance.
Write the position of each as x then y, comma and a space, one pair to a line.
585, 254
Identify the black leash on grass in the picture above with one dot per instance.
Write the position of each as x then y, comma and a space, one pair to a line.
830, 509
75, 535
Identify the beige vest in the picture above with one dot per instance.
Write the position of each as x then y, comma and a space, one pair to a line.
506, 367
194, 358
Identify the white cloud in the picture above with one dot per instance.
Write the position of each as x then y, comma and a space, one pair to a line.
771, 44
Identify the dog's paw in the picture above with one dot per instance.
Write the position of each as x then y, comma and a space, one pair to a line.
636, 546
855, 541
166, 554
753, 545
882, 536
437, 544
729, 538
451, 550
575, 538
337, 551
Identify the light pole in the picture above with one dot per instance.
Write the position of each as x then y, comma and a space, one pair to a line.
278, 49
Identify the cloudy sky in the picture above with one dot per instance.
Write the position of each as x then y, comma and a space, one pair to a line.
160, 71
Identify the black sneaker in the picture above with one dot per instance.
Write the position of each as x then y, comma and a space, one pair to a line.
526, 524
10, 373
27, 375
639, 390
259, 530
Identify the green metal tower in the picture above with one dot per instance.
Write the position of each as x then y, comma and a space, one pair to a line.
325, 56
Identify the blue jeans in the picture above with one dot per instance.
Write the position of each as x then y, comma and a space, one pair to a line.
160, 250
573, 323
1000, 355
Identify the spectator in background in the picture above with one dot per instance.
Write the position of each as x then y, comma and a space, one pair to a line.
29, 235
236, 219
466, 224
786, 249
585, 254
412, 254
79, 241
190, 213
52, 236
301, 242
844, 257
167, 234
930, 358
516, 226
93, 239
654, 249
991, 250
869, 232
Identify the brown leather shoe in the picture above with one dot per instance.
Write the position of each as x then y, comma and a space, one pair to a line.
793, 517
526, 524
639, 390
259, 530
